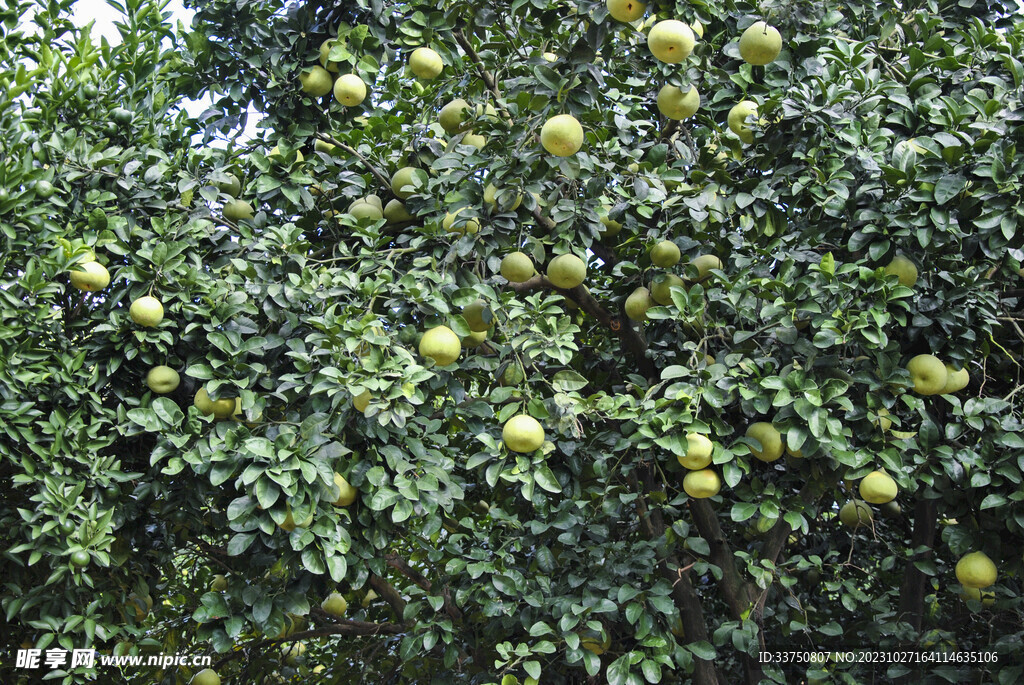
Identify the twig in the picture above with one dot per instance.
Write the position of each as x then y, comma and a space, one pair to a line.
384, 180
486, 75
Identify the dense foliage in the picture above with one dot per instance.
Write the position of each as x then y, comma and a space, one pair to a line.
881, 131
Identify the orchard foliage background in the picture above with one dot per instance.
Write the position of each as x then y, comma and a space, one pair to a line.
485, 563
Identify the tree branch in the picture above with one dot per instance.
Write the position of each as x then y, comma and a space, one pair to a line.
384, 180
691, 613
399, 564
631, 340
739, 595
913, 588
389, 594
486, 75
342, 627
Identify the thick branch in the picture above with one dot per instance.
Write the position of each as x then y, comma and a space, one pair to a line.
389, 594
381, 178
912, 590
342, 627
738, 595
401, 566
605, 254
631, 341
546, 223
691, 613
735, 592
486, 75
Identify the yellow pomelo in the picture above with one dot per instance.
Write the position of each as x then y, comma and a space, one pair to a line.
361, 401
855, 513
671, 41
677, 104
562, 135
278, 156
878, 488
928, 374
770, 439
325, 51
702, 484
289, 523
567, 271
955, 380
162, 379
592, 642
883, 421
698, 452
760, 44
236, 210
220, 408
425, 63
441, 344
364, 210
395, 212
738, 120
523, 433
207, 676
626, 10
452, 115
406, 180
146, 311
474, 339
704, 264
903, 269
490, 197
517, 267
665, 254
292, 652
478, 315
349, 90
471, 225
90, 276
334, 604
986, 598
317, 82
661, 288
976, 570
346, 494
611, 227
637, 304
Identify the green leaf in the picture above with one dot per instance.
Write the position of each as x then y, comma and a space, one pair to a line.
533, 669
618, 672
239, 543
703, 650
168, 411
741, 511
568, 381
546, 479
992, 501
948, 187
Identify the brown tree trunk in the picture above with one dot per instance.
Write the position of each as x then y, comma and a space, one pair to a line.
913, 589
683, 593
739, 595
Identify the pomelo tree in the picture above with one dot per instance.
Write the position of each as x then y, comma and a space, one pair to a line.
299, 271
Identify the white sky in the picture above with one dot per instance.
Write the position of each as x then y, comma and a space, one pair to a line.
104, 16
